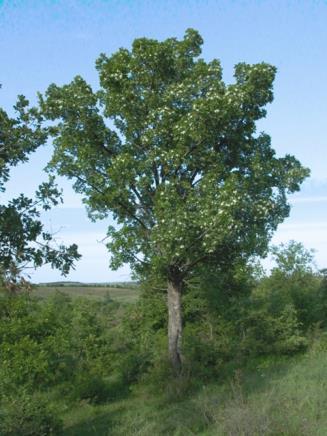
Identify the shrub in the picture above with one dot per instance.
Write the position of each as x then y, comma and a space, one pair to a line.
26, 415
57, 342
265, 333
91, 387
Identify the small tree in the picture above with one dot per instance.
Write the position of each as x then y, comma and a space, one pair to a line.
292, 258
171, 151
294, 281
23, 242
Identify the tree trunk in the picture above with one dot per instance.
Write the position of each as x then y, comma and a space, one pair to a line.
174, 302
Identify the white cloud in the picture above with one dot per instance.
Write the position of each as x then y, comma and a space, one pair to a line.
311, 225
295, 200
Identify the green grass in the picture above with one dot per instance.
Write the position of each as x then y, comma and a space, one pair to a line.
122, 295
282, 397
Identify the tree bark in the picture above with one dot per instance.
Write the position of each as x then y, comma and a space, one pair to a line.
174, 301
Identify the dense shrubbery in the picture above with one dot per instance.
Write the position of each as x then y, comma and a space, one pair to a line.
68, 348
73, 350
43, 344
239, 313
24, 414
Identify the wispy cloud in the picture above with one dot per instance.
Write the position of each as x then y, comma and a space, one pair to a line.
309, 225
320, 199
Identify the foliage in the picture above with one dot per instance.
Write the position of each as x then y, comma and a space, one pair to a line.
55, 343
234, 315
27, 415
171, 151
24, 243
322, 297
89, 357
96, 350
293, 258
18, 137
270, 333
294, 282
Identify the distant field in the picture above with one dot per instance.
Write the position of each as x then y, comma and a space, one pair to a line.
123, 295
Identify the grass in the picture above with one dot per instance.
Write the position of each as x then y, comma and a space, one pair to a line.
274, 397
122, 295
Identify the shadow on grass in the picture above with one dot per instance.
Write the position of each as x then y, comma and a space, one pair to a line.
259, 373
254, 376
190, 409
99, 415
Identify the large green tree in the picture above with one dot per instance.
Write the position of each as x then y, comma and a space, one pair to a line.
23, 241
171, 152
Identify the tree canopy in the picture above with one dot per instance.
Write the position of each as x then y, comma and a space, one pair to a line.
23, 241
172, 152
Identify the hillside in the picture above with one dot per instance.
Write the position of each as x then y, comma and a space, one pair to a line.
126, 292
281, 397
98, 365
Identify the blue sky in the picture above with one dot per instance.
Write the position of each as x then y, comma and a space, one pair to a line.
52, 41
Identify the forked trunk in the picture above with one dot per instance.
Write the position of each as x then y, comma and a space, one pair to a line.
174, 301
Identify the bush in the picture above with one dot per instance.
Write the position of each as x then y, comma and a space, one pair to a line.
91, 387
294, 281
58, 342
265, 333
95, 351
228, 316
26, 415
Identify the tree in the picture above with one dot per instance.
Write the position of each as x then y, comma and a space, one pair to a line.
294, 282
172, 152
292, 258
23, 242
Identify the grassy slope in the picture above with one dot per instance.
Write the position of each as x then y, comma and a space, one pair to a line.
285, 397
123, 295
281, 397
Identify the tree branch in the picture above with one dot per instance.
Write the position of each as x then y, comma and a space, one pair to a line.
155, 173
141, 204
138, 260
195, 262
125, 207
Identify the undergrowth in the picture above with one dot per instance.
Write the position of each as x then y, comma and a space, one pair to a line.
254, 353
